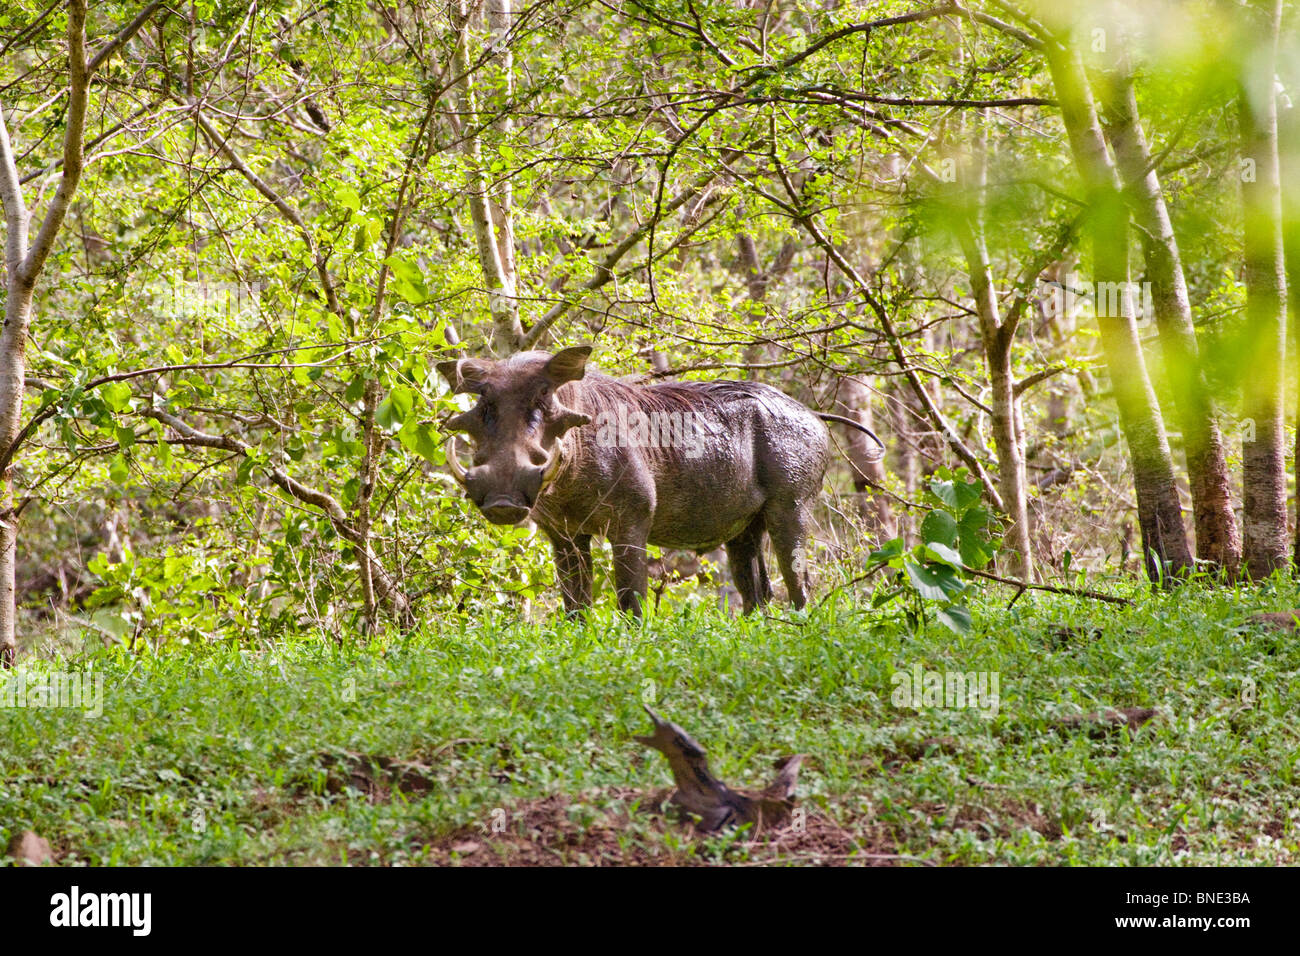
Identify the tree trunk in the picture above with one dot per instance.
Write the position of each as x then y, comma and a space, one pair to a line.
502, 299
997, 339
1264, 505
500, 20
1164, 539
1289, 167
853, 400
13, 371
23, 265
1217, 540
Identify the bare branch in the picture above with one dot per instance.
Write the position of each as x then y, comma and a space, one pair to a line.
123, 36
386, 588
605, 270
287, 209
73, 135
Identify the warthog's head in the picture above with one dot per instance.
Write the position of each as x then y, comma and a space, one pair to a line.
516, 427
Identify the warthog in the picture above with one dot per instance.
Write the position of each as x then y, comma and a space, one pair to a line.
690, 465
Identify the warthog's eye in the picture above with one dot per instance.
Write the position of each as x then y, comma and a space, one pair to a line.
534, 419
488, 412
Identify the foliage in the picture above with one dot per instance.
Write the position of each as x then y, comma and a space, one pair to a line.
934, 573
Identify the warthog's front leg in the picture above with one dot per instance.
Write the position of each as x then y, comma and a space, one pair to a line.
630, 560
573, 570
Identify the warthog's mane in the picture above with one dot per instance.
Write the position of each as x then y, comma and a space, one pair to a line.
606, 398
599, 393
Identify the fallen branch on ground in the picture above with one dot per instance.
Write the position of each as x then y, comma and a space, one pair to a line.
705, 796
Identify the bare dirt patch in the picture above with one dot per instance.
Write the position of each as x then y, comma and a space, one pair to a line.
627, 827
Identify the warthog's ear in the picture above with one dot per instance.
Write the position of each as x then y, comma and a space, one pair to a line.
464, 422
465, 375
571, 419
568, 365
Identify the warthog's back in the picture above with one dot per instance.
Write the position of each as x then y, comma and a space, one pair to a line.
710, 454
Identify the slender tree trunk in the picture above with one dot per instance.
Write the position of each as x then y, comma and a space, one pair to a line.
1264, 505
1217, 540
25, 258
500, 21
502, 300
853, 400
1289, 167
1164, 539
13, 369
997, 338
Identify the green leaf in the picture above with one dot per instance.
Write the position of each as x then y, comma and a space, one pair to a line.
420, 438
394, 410
939, 526
956, 618
944, 554
116, 395
348, 197
973, 542
118, 470
408, 280
957, 495
934, 582
356, 389
891, 549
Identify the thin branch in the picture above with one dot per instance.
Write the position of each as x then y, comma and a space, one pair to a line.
123, 36
287, 209
605, 270
386, 588
73, 134
1072, 592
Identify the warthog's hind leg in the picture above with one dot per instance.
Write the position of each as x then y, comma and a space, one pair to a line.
748, 572
789, 524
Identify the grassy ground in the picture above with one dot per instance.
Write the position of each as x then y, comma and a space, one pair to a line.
489, 745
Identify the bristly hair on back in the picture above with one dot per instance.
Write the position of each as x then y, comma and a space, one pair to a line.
598, 393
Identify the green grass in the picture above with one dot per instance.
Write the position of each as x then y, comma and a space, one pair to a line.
222, 755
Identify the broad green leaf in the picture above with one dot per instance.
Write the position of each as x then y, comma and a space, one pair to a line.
118, 470
934, 582
408, 280
891, 549
939, 526
394, 410
420, 438
348, 197
116, 395
925, 579
943, 553
956, 618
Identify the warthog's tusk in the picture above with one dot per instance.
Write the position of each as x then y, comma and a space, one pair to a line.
457, 469
552, 467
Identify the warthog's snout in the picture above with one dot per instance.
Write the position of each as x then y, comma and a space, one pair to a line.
502, 510
504, 506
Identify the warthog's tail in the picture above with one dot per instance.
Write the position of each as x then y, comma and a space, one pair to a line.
827, 417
